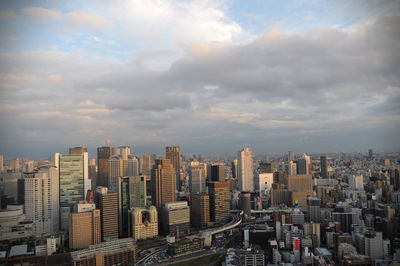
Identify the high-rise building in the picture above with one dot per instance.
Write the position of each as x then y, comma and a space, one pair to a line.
173, 153
304, 165
301, 188
200, 210
163, 184
116, 169
74, 183
217, 172
281, 177
123, 152
107, 203
280, 195
356, 182
131, 166
264, 183
176, 217
131, 193
197, 178
14, 165
219, 201
103, 155
1, 164
146, 165
266, 167
311, 229
84, 226
291, 168
42, 199
235, 168
324, 166
144, 222
27, 166
77, 150
245, 170
245, 203
92, 170
290, 156
314, 209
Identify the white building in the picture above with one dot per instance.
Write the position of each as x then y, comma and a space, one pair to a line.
264, 183
42, 199
245, 170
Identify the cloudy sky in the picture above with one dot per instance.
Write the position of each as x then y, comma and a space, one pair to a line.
210, 76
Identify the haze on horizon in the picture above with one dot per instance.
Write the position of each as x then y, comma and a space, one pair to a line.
210, 76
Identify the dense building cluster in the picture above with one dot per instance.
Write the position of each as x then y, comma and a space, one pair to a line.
339, 208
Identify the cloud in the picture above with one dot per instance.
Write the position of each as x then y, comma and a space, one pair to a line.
7, 14
322, 89
73, 20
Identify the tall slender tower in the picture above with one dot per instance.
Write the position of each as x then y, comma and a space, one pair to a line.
103, 155
174, 154
324, 166
107, 203
245, 170
163, 184
74, 183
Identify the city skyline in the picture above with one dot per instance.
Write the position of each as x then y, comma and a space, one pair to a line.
210, 76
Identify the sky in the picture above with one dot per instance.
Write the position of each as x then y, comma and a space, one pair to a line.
210, 76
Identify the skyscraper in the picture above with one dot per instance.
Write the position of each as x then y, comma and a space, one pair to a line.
200, 210
42, 199
217, 172
103, 155
314, 209
324, 166
266, 167
290, 156
123, 152
77, 150
107, 203
131, 193
116, 169
301, 188
197, 178
144, 222
73, 174
173, 153
245, 170
163, 184
92, 170
84, 226
234, 168
303, 165
219, 201
1, 163
146, 165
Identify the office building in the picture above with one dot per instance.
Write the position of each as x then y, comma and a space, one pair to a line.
145, 165
131, 166
103, 155
314, 209
291, 168
234, 168
245, 170
42, 199
163, 184
290, 156
107, 203
92, 172
77, 150
84, 226
131, 193
116, 252
200, 210
197, 178
373, 244
1, 164
280, 195
356, 182
313, 229
176, 218
245, 203
173, 153
116, 169
144, 222
266, 167
123, 152
281, 177
264, 183
304, 165
14, 165
14, 224
217, 172
297, 217
27, 166
219, 201
74, 183
301, 188
324, 166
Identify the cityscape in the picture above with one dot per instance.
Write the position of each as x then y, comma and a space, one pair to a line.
177, 209
200, 132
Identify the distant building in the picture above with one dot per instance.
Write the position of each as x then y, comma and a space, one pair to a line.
314, 209
245, 170
234, 168
324, 166
290, 156
176, 218
217, 172
356, 182
173, 153
116, 252
146, 165
144, 222
266, 167
103, 155
304, 165
301, 188
197, 178
123, 152
245, 203
77, 150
